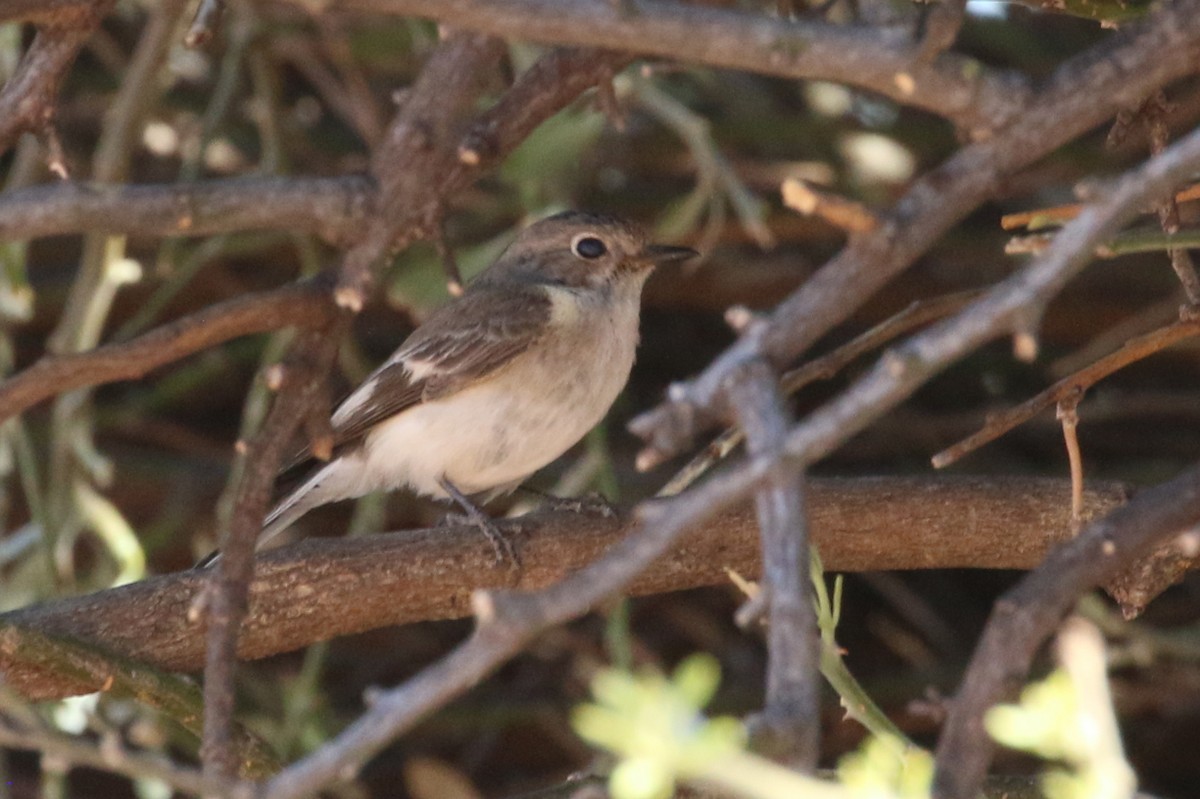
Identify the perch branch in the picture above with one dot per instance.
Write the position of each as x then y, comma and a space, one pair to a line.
323, 588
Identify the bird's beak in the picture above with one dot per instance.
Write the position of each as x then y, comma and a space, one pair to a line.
665, 253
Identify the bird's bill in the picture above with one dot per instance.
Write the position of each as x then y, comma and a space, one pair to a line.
665, 253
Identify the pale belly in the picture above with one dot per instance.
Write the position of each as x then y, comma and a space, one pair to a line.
500, 431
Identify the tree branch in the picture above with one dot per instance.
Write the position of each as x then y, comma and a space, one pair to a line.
333, 208
307, 304
323, 588
975, 99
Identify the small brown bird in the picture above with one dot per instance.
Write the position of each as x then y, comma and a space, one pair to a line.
503, 379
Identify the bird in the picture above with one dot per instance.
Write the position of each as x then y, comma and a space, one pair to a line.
501, 380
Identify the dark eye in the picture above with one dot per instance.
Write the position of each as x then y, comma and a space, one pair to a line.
588, 247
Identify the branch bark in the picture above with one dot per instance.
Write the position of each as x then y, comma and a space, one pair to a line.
976, 99
323, 588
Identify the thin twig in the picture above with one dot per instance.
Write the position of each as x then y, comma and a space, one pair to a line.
917, 314
851, 216
1068, 415
1155, 111
1065, 213
998, 424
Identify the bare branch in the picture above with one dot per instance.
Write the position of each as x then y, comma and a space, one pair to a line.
323, 588
788, 727
333, 208
1069, 387
307, 304
977, 100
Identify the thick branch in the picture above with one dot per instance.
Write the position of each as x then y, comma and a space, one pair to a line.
1028, 614
306, 304
323, 588
1084, 92
958, 88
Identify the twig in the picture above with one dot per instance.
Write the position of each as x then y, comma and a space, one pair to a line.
307, 304
90, 667
788, 728
838, 211
321, 588
978, 100
1065, 213
998, 424
204, 23
1068, 415
917, 314
1081, 95
1028, 614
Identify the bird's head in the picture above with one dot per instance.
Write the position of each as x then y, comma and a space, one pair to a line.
582, 250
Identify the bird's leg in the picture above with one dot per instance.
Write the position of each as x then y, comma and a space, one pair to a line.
595, 504
500, 543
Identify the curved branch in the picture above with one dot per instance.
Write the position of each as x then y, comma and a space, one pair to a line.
323, 588
957, 88
307, 304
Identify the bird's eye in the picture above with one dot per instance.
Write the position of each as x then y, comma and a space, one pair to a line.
588, 247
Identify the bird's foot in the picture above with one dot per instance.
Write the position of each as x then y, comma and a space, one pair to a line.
473, 514
593, 504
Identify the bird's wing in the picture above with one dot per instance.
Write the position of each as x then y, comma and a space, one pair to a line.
461, 343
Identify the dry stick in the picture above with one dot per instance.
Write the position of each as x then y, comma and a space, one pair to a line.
333, 208
1068, 414
1083, 93
788, 729
28, 98
998, 424
1065, 213
851, 216
977, 99
917, 314
321, 588
1029, 613
306, 304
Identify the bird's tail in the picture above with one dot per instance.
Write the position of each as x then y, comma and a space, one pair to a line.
314, 491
